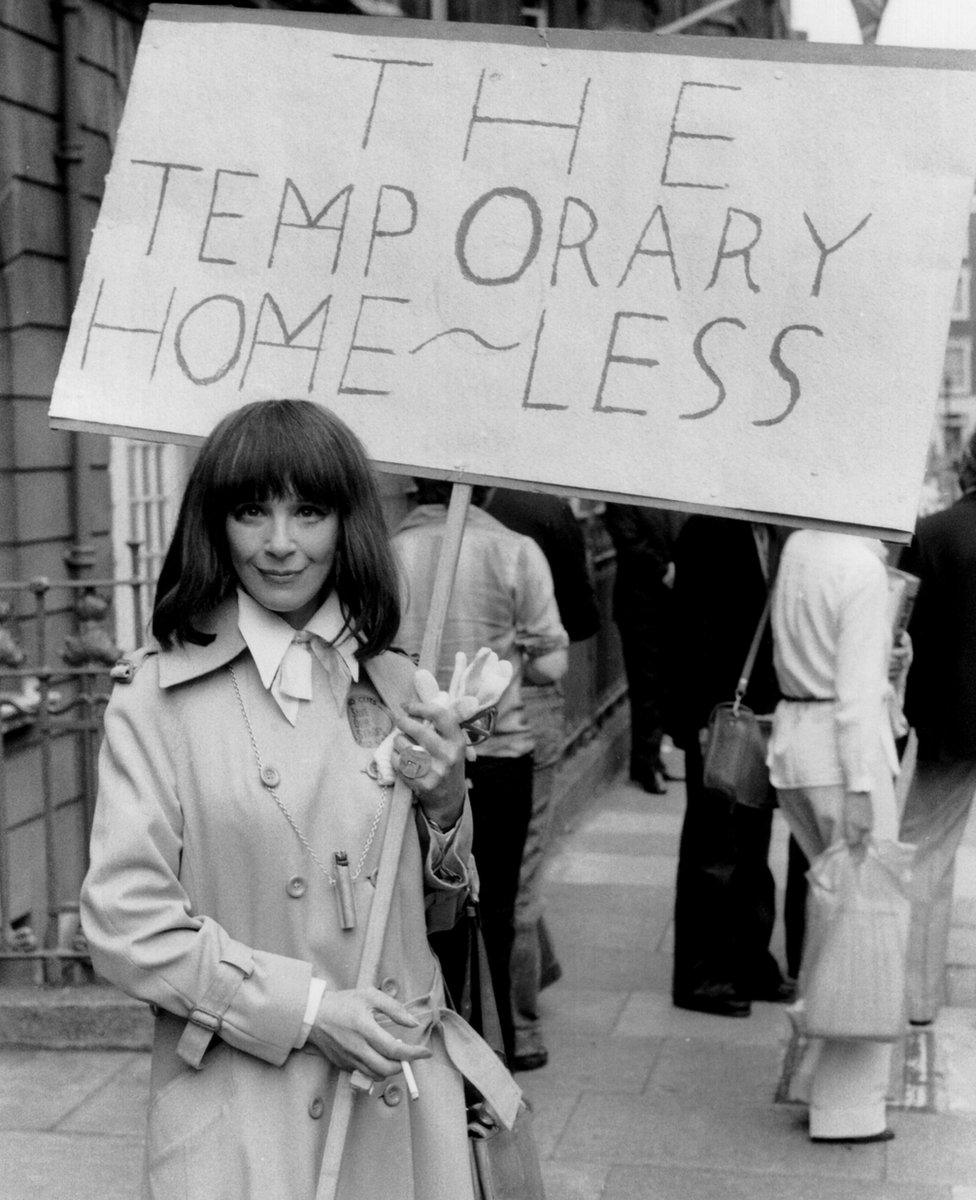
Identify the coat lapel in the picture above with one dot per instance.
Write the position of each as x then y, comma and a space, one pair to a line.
189, 661
392, 676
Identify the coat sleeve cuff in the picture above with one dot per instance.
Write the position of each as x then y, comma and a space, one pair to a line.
266, 1015
446, 853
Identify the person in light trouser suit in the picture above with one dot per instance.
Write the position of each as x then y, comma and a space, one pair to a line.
832, 760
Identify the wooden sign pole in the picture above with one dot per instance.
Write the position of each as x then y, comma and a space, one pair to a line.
393, 841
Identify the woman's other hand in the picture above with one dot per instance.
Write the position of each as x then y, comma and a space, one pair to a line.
347, 1032
436, 774
857, 819
900, 659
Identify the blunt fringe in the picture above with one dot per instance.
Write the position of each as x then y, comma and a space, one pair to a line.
266, 450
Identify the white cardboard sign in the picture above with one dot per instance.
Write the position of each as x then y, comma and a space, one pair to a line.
716, 274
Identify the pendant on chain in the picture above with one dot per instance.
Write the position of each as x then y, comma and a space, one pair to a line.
344, 893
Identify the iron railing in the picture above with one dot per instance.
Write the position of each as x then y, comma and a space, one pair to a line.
51, 705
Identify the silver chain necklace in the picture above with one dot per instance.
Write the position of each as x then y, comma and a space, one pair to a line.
344, 877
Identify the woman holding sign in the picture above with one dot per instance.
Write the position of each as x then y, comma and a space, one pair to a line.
243, 799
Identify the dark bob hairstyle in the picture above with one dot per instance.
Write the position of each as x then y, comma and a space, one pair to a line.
267, 450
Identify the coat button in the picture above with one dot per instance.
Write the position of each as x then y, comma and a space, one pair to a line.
316, 1108
296, 887
270, 777
392, 1095
390, 986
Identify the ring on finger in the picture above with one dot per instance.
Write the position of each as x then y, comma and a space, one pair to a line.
414, 762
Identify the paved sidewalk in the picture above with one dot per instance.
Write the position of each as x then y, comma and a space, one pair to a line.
643, 1101
640, 1101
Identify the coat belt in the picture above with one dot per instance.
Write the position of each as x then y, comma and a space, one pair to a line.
467, 1050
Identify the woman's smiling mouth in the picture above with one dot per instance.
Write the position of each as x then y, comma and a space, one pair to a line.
279, 576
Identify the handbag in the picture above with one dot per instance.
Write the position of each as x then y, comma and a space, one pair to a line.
735, 755
734, 758
504, 1162
852, 981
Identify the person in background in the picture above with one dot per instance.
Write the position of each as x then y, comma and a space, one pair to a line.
551, 523
238, 831
725, 901
832, 759
644, 539
940, 704
503, 599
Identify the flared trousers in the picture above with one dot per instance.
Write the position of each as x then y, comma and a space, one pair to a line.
848, 1079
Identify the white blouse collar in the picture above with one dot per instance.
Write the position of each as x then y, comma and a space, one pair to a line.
268, 636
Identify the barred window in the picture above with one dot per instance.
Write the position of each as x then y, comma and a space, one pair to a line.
147, 482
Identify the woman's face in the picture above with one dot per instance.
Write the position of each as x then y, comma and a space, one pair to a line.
283, 550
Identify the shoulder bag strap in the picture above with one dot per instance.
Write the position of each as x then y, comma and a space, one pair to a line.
750, 662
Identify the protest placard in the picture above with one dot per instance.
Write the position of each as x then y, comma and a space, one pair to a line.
717, 274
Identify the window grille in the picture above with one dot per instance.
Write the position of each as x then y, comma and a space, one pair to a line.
147, 481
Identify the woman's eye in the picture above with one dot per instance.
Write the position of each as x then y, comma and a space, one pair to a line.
312, 512
247, 512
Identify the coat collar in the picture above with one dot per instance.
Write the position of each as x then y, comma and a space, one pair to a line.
268, 636
181, 663
390, 673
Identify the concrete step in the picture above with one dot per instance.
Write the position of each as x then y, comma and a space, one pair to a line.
87, 1017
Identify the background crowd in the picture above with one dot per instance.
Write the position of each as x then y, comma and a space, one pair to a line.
830, 676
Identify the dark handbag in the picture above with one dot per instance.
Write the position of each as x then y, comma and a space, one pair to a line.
734, 754
504, 1162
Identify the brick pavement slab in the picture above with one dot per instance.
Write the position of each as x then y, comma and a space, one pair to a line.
955, 1061
39, 1089
934, 1148
964, 911
581, 1010
552, 1108
574, 1181
630, 822
119, 1107
634, 870
670, 1183
965, 882
962, 945
661, 1129
647, 1011
598, 1063
622, 968
689, 1068
588, 915
631, 834
961, 985
55, 1166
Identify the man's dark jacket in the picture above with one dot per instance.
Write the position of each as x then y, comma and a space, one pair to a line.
719, 594
941, 697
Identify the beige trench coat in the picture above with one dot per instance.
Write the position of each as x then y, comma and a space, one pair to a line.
201, 901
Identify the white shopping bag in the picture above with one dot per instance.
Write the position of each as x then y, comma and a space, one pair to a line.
852, 980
